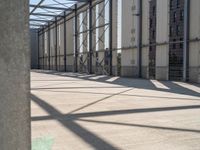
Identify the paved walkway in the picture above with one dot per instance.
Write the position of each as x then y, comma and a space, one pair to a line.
87, 112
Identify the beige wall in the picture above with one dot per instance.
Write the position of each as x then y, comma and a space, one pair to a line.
194, 49
162, 35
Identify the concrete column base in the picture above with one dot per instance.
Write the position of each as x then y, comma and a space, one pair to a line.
145, 72
194, 74
162, 73
129, 71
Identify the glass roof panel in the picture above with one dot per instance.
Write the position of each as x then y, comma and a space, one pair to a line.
47, 10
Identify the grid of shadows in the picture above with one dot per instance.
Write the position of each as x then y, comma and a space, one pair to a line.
84, 134
141, 126
55, 114
134, 83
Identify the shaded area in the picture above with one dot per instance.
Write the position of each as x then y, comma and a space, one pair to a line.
94, 140
116, 112
83, 133
71, 120
121, 94
141, 126
128, 82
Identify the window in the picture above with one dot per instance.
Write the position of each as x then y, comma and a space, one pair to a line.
171, 4
153, 34
181, 15
171, 30
154, 10
181, 44
151, 22
178, 3
174, 44
178, 30
175, 16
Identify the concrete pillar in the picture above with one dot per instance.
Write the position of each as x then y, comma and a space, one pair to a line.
34, 48
194, 47
162, 36
85, 38
61, 45
129, 50
14, 76
101, 35
114, 36
70, 40
94, 21
145, 39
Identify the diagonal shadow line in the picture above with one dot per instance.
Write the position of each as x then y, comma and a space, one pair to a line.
172, 98
91, 87
54, 80
141, 126
95, 102
84, 134
131, 111
47, 85
117, 112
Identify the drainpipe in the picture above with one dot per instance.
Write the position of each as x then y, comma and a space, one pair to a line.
186, 38
139, 37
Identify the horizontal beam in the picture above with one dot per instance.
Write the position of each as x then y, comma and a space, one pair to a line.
48, 7
40, 20
78, 0
45, 15
36, 6
36, 25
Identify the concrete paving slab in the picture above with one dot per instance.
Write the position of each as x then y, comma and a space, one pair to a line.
80, 112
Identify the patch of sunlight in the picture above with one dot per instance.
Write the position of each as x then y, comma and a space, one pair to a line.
43, 143
112, 79
159, 85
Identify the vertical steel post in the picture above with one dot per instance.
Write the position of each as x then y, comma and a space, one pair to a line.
186, 39
76, 40
43, 47
65, 45
38, 49
49, 46
110, 35
56, 44
90, 37
139, 41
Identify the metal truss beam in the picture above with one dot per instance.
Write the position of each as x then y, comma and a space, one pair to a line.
65, 45
50, 7
76, 40
49, 47
36, 6
38, 50
110, 35
90, 37
36, 25
56, 44
45, 15
40, 20
139, 42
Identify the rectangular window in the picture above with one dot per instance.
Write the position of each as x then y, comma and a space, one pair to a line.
178, 3
181, 15
175, 16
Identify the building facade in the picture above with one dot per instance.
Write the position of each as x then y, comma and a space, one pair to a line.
159, 39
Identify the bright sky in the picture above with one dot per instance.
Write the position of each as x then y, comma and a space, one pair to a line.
50, 3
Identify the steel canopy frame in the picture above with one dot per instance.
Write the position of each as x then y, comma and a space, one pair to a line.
44, 25
50, 11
